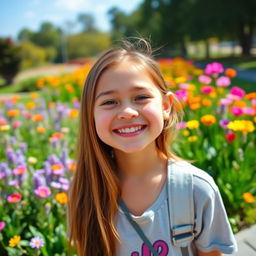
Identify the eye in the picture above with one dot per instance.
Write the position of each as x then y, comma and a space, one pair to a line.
142, 97
109, 102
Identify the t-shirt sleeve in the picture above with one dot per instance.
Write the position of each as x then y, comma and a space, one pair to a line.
213, 231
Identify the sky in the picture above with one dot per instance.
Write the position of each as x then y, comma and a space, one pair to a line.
18, 14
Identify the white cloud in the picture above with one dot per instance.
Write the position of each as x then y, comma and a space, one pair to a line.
73, 5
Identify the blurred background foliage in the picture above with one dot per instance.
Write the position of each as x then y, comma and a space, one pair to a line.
197, 29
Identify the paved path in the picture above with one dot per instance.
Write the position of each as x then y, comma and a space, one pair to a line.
248, 75
246, 241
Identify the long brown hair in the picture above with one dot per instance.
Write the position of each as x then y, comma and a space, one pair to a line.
95, 186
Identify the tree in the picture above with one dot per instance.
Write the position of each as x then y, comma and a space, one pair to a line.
32, 55
123, 25
10, 59
87, 44
87, 21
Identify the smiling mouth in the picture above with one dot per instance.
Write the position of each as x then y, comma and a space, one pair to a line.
130, 130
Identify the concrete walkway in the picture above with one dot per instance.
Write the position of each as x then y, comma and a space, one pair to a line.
246, 241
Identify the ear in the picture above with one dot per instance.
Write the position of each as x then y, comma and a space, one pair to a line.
167, 104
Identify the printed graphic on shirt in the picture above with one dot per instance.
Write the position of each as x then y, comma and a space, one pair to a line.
160, 246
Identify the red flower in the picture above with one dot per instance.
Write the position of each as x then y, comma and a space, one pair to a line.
230, 137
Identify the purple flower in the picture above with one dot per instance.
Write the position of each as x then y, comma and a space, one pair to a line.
224, 123
38, 179
11, 156
56, 185
36, 242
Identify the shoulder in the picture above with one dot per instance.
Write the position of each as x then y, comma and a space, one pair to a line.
202, 181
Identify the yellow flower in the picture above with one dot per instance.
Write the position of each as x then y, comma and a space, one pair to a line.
14, 241
208, 119
34, 95
180, 79
248, 197
243, 126
30, 104
192, 138
32, 160
186, 133
65, 130
4, 128
192, 124
61, 198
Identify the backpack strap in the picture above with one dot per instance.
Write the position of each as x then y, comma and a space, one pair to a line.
181, 205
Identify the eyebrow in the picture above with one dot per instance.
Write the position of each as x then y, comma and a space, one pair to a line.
137, 88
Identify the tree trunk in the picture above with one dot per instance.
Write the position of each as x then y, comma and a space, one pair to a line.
183, 49
245, 37
207, 49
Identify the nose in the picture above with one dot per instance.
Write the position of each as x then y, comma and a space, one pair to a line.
127, 113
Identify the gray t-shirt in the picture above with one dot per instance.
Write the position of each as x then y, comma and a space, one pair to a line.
212, 227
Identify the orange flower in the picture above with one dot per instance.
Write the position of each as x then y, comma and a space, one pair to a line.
72, 166
248, 197
40, 129
230, 72
13, 112
57, 135
37, 118
208, 119
3, 122
195, 106
250, 96
40, 83
51, 104
61, 198
69, 88
240, 103
207, 102
73, 113
15, 98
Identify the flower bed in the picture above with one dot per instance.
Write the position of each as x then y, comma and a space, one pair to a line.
38, 141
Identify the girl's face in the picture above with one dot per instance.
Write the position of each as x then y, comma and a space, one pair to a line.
129, 109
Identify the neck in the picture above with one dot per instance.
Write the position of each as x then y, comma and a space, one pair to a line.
137, 164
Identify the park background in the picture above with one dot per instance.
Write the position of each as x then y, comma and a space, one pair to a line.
207, 53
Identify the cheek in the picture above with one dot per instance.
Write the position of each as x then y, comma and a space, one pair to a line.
102, 122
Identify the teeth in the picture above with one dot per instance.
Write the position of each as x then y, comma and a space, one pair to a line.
130, 130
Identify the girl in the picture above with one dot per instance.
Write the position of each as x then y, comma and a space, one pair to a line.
128, 120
